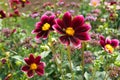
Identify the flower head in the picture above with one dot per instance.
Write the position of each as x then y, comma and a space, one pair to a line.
44, 26
2, 14
94, 3
33, 65
14, 4
72, 30
109, 44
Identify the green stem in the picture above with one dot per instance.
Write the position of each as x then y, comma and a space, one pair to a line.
58, 64
83, 64
70, 61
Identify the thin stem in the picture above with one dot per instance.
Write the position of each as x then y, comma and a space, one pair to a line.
58, 64
70, 61
83, 64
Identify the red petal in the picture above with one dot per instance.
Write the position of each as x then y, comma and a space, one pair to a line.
31, 58
67, 19
58, 29
107, 41
83, 28
44, 19
37, 59
38, 25
102, 43
115, 42
39, 35
76, 42
60, 23
83, 36
40, 70
64, 40
27, 61
30, 74
45, 35
78, 21
25, 68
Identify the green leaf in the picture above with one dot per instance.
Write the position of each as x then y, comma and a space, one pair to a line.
45, 53
19, 58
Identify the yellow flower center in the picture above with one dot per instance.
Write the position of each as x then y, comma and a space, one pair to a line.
33, 66
70, 31
45, 27
94, 3
0, 15
24, 0
109, 48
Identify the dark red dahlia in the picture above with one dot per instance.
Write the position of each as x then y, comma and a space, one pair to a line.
33, 65
109, 44
2, 14
72, 30
44, 26
14, 4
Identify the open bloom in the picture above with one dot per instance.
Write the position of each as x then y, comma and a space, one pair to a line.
72, 30
109, 44
44, 26
33, 65
14, 4
2, 14
94, 3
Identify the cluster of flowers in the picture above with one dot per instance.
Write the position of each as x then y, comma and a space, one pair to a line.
14, 6
73, 31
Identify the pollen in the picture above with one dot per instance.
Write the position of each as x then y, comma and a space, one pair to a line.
0, 15
109, 48
94, 3
24, 0
45, 27
33, 66
70, 31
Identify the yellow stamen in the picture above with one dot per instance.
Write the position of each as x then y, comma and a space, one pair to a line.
0, 15
45, 27
94, 3
70, 31
24, 0
109, 48
33, 66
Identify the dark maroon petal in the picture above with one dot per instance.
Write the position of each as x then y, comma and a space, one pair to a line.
38, 25
58, 29
31, 58
60, 23
64, 40
42, 64
25, 68
39, 35
35, 31
83, 28
27, 61
83, 36
37, 59
51, 20
30, 74
115, 42
102, 43
76, 42
107, 41
40, 70
78, 21
45, 35
67, 19
102, 38
44, 19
